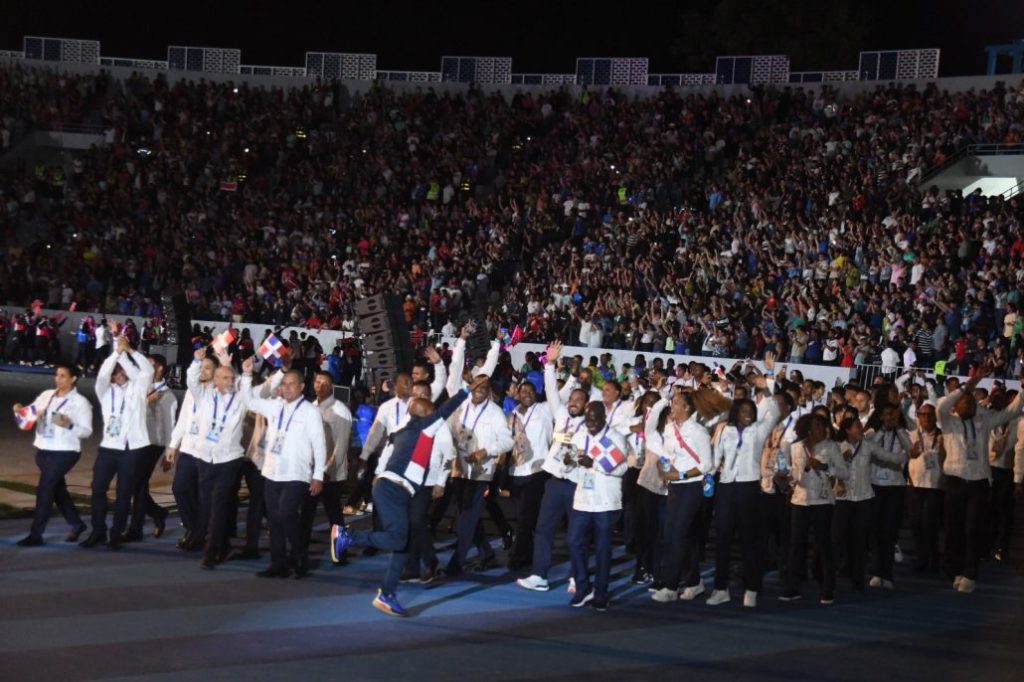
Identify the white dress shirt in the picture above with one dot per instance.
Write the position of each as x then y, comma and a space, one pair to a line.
738, 454
1007, 449
442, 454
337, 420
598, 489
857, 486
160, 414
296, 448
531, 434
480, 427
185, 436
925, 470
897, 445
775, 455
72, 405
812, 487
696, 453
458, 362
965, 441
220, 418
124, 407
564, 425
391, 416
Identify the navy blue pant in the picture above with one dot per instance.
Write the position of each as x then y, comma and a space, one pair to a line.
123, 464
284, 500
527, 493
851, 528
885, 526
219, 480
817, 519
186, 489
257, 486
391, 502
648, 529
330, 497
925, 523
555, 506
143, 504
966, 518
421, 547
736, 510
469, 500
681, 561
53, 466
581, 525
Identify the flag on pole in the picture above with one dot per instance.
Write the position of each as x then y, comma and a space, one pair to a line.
26, 417
271, 349
223, 340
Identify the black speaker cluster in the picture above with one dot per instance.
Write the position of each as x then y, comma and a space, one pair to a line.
386, 343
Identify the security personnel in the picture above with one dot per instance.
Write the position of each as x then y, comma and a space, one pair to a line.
63, 421
161, 409
122, 383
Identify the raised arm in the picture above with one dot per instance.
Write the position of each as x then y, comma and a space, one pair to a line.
440, 373
456, 365
103, 375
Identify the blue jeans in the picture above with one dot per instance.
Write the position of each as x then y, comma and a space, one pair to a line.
581, 524
554, 506
391, 503
53, 466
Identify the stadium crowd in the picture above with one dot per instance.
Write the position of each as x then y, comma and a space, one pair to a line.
788, 220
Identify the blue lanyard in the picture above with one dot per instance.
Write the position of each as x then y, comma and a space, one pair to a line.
162, 386
739, 441
56, 411
529, 416
465, 416
280, 417
124, 394
398, 411
228, 409
586, 445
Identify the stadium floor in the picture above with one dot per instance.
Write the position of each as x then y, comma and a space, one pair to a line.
149, 612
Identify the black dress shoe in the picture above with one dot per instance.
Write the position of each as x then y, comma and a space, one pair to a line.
73, 534
116, 542
507, 539
95, 538
195, 545
159, 524
133, 536
273, 572
301, 571
183, 541
30, 541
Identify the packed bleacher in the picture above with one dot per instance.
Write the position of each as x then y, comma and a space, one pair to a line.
787, 219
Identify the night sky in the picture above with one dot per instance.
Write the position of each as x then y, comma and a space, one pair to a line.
539, 36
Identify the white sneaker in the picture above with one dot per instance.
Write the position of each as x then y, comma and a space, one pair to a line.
571, 589
956, 582
887, 584
369, 507
718, 597
875, 581
665, 595
898, 555
535, 583
967, 585
750, 599
691, 593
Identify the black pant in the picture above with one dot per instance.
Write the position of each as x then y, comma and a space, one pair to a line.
256, 485
885, 528
469, 500
364, 485
630, 495
527, 492
124, 465
851, 526
218, 480
776, 521
648, 529
186, 489
966, 506
925, 523
143, 504
421, 547
736, 509
53, 466
816, 518
682, 535
1001, 509
284, 500
207, 481
330, 497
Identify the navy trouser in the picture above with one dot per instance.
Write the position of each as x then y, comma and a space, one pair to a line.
469, 500
53, 466
648, 529
284, 500
736, 509
219, 479
966, 517
186, 489
421, 546
817, 519
851, 528
391, 502
555, 506
257, 486
330, 497
581, 525
681, 561
885, 526
143, 504
123, 464
527, 493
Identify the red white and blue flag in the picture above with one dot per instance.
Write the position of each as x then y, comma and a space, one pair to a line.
271, 349
607, 456
223, 340
26, 417
419, 463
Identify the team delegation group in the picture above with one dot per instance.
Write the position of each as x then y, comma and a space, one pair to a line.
669, 456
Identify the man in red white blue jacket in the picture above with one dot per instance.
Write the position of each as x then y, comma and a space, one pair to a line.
394, 488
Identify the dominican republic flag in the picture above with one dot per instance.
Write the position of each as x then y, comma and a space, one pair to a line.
607, 456
416, 470
224, 339
271, 349
26, 417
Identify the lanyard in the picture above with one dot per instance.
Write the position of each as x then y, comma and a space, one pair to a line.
162, 386
586, 445
124, 394
228, 409
398, 412
739, 439
856, 449
615, 409
56, 411
529, 416
565, 428
974, 434
280, 417
465, 416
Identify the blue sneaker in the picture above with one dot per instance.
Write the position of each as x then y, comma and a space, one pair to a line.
388, 603
340, 541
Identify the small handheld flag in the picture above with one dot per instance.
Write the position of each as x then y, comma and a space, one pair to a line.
26, 417
223, 340
271, 349
608, 456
